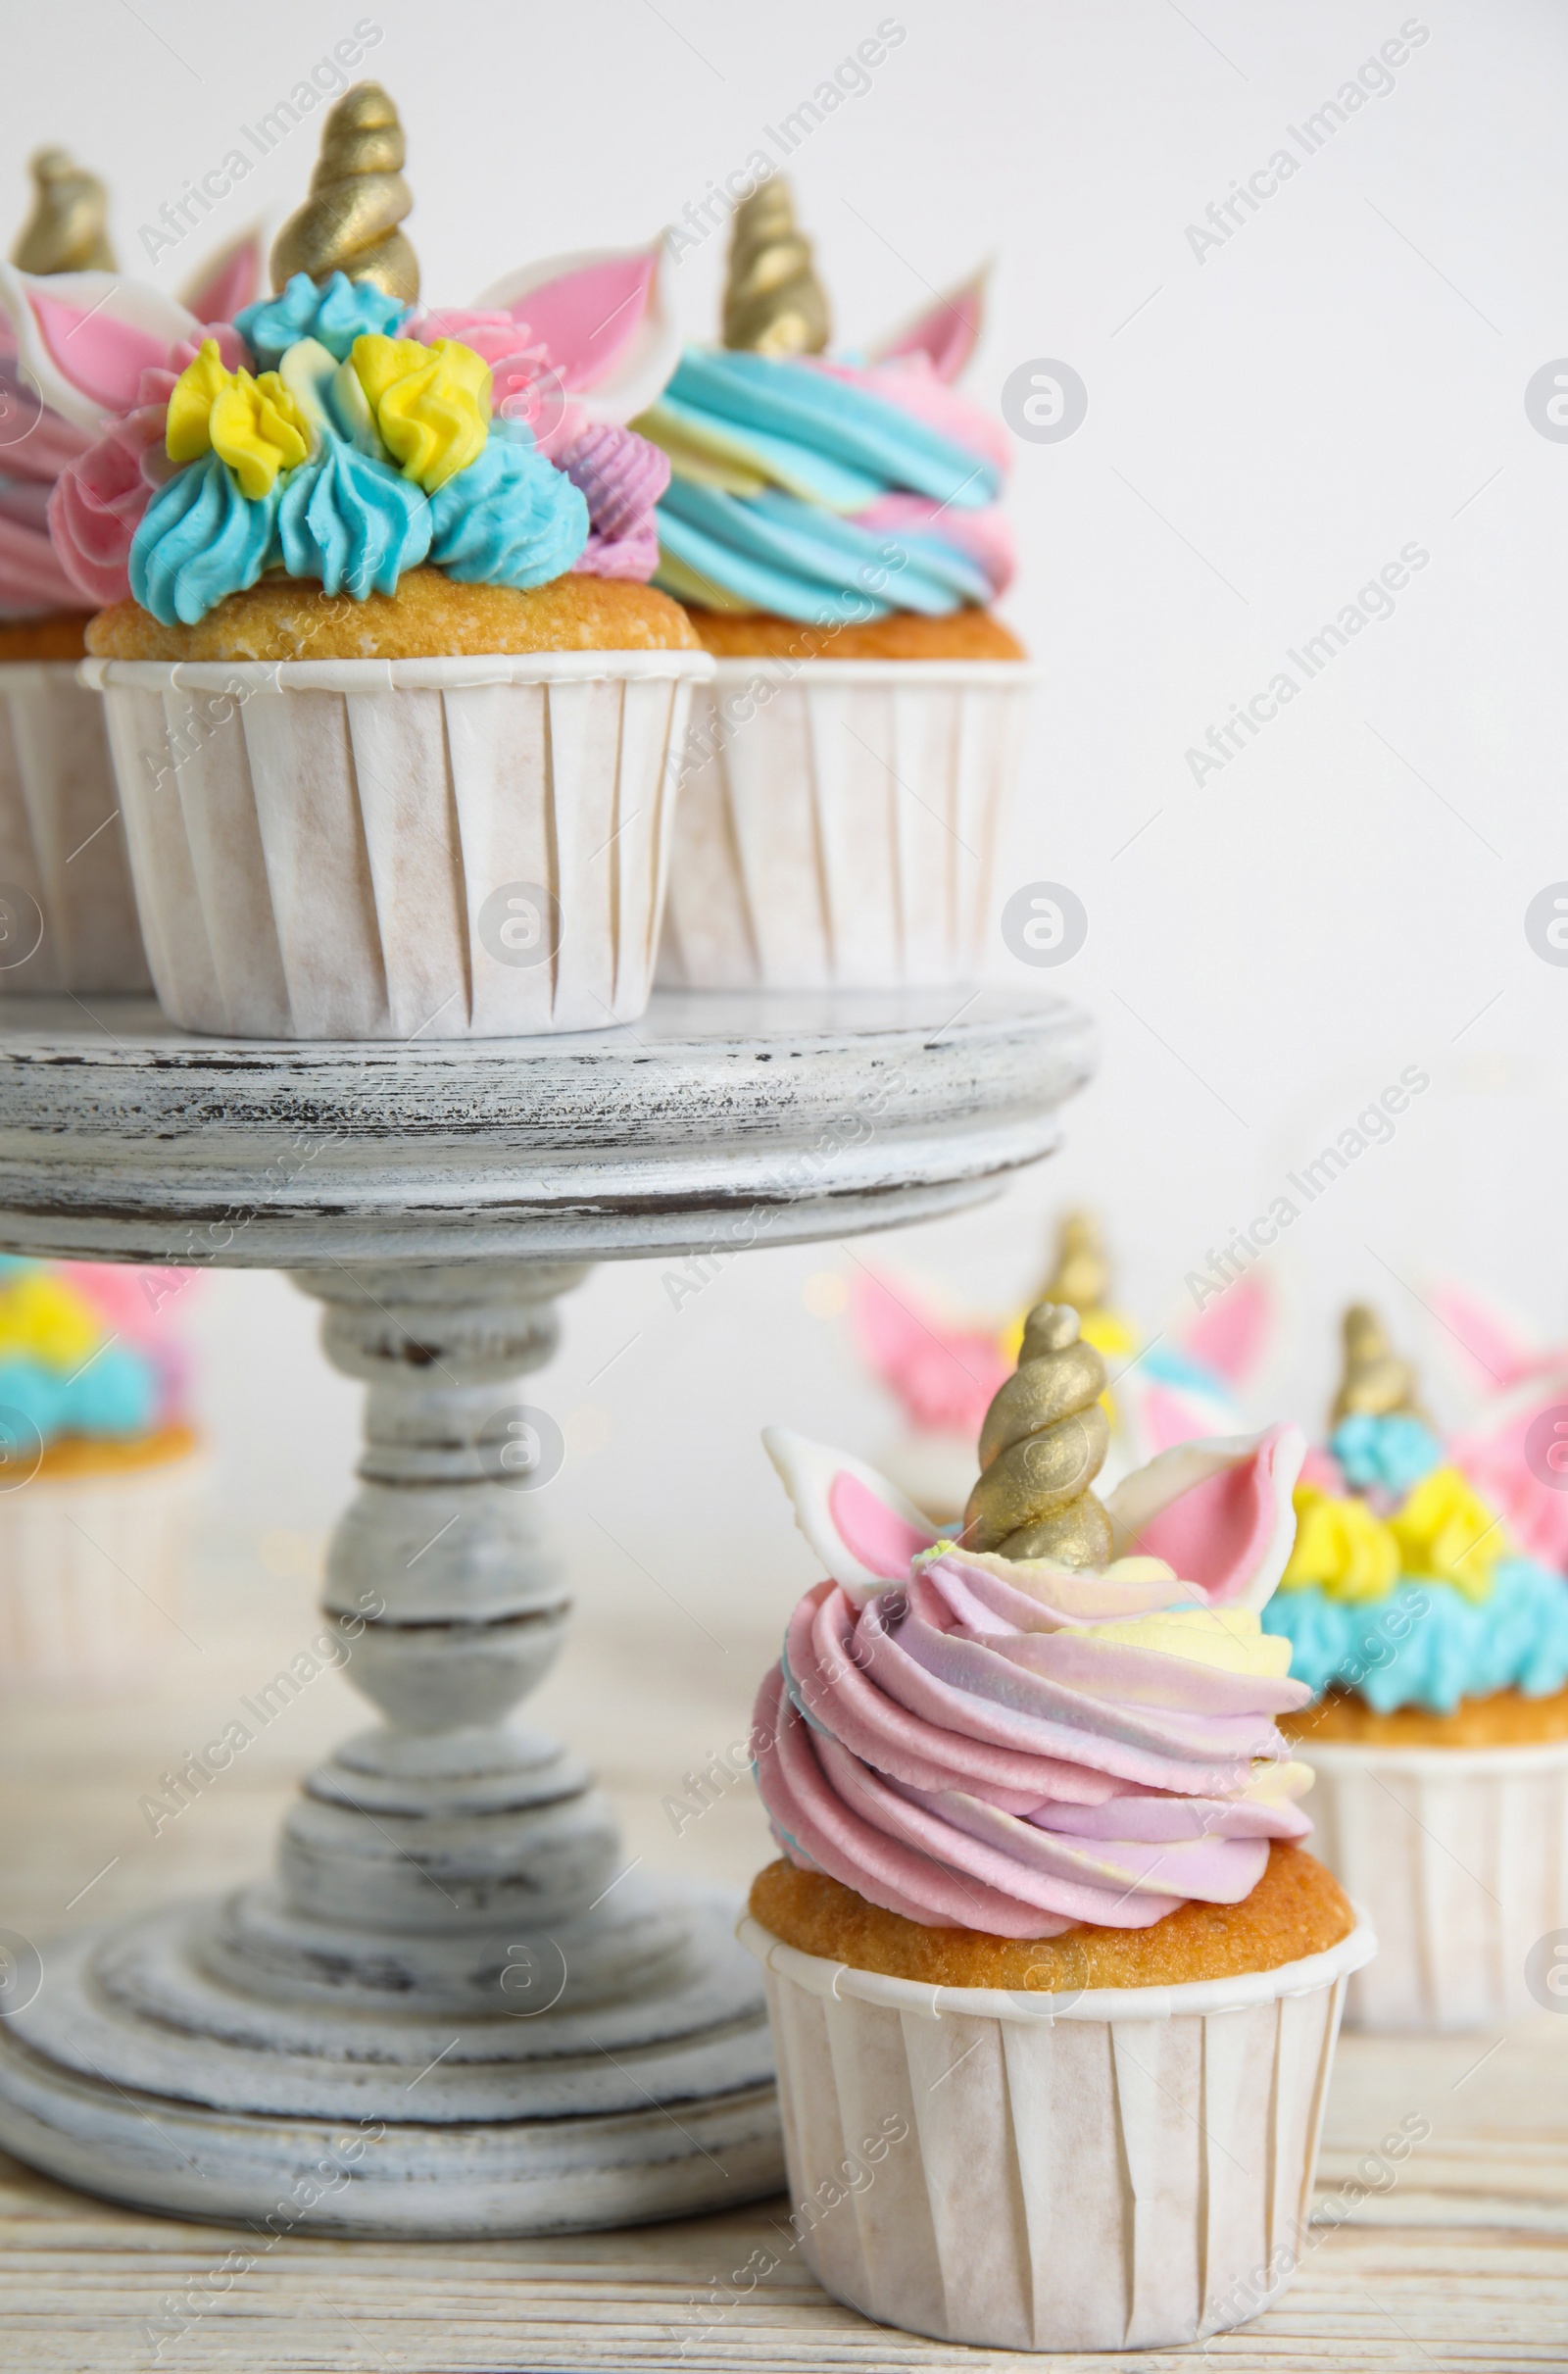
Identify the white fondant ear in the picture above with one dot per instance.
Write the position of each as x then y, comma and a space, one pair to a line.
1219, 1512
601, 315
946, 332
861, 1526
86, 337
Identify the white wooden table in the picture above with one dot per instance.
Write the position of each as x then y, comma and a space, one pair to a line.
1462, 2264
457, 2009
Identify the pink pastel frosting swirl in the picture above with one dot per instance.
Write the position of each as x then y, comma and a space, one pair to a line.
99, 498
622, 477
36, 446
1016, 1748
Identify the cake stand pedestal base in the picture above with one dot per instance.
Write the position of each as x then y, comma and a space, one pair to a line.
453, 2011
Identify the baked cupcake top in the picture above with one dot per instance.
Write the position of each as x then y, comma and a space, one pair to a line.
826, 489
338, 431
1404, 1586
1066, 1714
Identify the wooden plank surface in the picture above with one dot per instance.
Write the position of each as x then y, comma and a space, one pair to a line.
1456, 2257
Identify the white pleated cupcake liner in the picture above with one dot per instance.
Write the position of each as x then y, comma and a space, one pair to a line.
401, 849
1126, 2168
67, 913
92, 1574
841, 823
1460, 1856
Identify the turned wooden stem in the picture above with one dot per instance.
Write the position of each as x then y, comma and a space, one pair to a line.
448, 1815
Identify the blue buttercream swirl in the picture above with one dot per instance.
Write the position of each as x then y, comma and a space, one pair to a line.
1384, 1454
351, 520
346, 516
510, 519
824, 449
115, 1393
198, 540
1426, 1644
337, 313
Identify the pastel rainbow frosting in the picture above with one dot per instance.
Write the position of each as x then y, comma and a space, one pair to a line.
333, 432
832, 490
1016, 1745
1405, 1585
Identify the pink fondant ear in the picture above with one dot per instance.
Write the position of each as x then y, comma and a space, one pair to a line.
861, 1526
1495, 1348
235, 277
1230, 1336
1166, 1420
1219, 1513
944, 1376
601, 318
87, 337
945, 333
876, 1534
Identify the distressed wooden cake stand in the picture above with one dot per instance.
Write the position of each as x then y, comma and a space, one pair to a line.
447, 2013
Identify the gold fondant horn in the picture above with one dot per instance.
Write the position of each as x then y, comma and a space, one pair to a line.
1082, 1275
1376, 1382
1043, 1443
773, 300
67, 229
348, 222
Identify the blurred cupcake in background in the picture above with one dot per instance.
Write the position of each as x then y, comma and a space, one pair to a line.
1513, 1444
68, 917
833, 525
941, 1369
1437, 1657
96, 1468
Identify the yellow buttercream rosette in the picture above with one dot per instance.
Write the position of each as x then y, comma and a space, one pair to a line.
1342, 1546
45, 1320
254, 426
1444, 1530
431, 404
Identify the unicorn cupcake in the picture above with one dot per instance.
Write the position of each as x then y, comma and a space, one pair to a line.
67, 917
413, 775
833, 524
1038, 1830
1437, 1657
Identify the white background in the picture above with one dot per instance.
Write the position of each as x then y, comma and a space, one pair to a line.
1266, 428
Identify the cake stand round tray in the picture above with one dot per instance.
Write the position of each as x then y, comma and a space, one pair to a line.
452, 2010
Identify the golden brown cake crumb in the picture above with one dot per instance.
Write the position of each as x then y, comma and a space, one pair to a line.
80, 1454
967, 634
1296, 1908
1505, 1719
428, 617
60, 634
